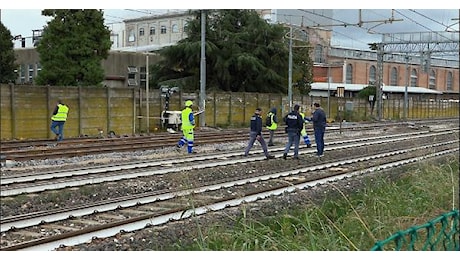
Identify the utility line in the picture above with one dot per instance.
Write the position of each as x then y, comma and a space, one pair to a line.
429, 18
430, 30
412, 20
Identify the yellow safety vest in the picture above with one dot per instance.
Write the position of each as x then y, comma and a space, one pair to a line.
186, 124
61, 114
303, 120
274, 125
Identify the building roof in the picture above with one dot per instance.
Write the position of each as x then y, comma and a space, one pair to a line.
167, 15
145, 48
324, 86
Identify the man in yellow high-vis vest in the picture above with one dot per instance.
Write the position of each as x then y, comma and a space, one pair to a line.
58, 119
188, 124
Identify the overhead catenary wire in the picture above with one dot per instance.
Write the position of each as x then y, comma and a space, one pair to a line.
429, 18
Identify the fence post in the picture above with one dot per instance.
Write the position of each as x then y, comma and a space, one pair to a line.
109, 111
13, 112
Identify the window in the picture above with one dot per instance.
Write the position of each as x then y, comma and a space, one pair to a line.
413, 78
349, 77
175, 28
432, 80
394, 77
132, 71
31, 73
163, 29
141, 32
23, 73
319, 53
143, 77
372, 75
152, 30
449, 80
132, 80
131, 36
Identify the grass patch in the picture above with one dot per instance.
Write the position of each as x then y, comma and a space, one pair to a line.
344, 221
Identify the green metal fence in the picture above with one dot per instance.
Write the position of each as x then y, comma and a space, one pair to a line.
439, 234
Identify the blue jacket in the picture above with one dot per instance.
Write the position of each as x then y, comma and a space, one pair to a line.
256, 124
294, 122
319, 119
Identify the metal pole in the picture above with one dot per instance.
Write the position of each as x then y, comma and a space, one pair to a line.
406, 99
147, 91
290, 70
328, 90
379, 87
203, 69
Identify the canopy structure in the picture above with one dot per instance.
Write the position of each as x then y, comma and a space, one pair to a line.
324, 86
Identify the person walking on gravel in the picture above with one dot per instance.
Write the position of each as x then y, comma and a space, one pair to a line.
58, 120
256, 134
272, 125
188, 124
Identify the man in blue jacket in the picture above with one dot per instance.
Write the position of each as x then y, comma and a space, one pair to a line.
256, 134
294, 125
319, 126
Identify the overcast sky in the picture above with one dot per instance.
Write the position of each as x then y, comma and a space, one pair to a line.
346, 29
378, 21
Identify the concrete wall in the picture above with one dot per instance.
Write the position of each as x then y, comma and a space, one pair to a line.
26, 109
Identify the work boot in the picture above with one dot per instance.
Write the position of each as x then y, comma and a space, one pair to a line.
284, 156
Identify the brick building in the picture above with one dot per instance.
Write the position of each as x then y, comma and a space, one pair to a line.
126, 65
352, 66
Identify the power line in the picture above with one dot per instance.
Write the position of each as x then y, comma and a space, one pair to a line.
429, 18
430, 30
139, 11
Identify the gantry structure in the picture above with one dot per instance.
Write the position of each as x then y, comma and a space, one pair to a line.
426, 44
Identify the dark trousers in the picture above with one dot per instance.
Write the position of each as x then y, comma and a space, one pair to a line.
272, 133
319, 140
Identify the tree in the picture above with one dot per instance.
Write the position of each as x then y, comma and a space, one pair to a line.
72, 47
366, 93
302, 65
243, 53
7, 59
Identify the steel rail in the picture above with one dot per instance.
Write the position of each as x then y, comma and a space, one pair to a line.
142, 169
147, 220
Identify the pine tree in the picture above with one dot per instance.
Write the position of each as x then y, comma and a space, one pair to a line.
243, 53
7, 59
72, 47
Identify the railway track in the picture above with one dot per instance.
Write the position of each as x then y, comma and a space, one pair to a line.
48, 149
181, 188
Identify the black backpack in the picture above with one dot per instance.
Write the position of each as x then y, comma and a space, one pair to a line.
268, 120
